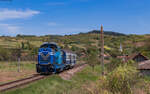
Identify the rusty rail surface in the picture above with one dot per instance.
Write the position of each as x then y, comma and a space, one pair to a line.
25, 81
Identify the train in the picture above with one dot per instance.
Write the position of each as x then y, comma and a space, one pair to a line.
53, 59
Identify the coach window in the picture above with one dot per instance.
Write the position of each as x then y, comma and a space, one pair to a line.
70, 56
67, 56
74, 57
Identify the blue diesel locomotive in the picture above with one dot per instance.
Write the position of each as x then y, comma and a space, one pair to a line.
52, 59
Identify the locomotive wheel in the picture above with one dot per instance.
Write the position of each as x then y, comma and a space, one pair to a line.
37, 68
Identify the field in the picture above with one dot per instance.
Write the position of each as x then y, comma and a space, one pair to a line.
9, 70
56, 85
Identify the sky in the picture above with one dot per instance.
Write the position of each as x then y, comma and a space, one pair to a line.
61, 17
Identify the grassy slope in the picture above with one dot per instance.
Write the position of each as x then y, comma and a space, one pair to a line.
56, 85
80, 40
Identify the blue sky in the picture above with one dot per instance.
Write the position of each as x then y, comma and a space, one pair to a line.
42, 17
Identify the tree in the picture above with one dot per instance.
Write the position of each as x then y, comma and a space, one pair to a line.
22, 45
4, 54
92, 60
92, 56
28, 45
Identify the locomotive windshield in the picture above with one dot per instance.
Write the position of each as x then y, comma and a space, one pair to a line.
44, 46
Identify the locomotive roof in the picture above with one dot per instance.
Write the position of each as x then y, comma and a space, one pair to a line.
68, 51
49, 44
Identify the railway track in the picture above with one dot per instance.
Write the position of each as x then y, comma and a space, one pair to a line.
25, 81
21, 82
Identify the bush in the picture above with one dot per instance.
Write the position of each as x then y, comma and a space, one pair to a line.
4, 54
122, 79
92, 56
114, 64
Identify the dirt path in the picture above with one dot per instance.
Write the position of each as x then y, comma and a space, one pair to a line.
11, 76
67, 75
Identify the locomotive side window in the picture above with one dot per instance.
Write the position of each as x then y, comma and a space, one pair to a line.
68, 56
74, 57
62, 55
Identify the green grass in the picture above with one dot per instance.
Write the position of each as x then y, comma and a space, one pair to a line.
9, 70
56, 85
13, 66
146, 78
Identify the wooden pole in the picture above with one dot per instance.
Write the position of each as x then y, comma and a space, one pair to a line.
102, 49
19, 56
18, 64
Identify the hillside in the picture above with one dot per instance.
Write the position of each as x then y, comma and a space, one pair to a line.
79, 43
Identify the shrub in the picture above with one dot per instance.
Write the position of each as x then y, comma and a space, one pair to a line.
92, 56
92, 60
4, 54
122, 79
114, 64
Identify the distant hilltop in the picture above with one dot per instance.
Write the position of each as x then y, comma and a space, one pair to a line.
105, 32
90, 32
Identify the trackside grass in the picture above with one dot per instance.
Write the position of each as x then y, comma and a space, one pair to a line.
9, 70
13, 66
56, 85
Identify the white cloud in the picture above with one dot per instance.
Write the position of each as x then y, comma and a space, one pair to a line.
16, 14
7, 29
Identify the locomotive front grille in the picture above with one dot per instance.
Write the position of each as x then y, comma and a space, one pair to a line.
44, 57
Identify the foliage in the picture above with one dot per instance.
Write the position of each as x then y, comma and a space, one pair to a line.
114, 53
108, 33
92, 56
4, 54
114, 63
120, 81
29, 44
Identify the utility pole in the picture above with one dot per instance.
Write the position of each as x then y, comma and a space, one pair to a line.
102, 49
18, 56
18, 64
